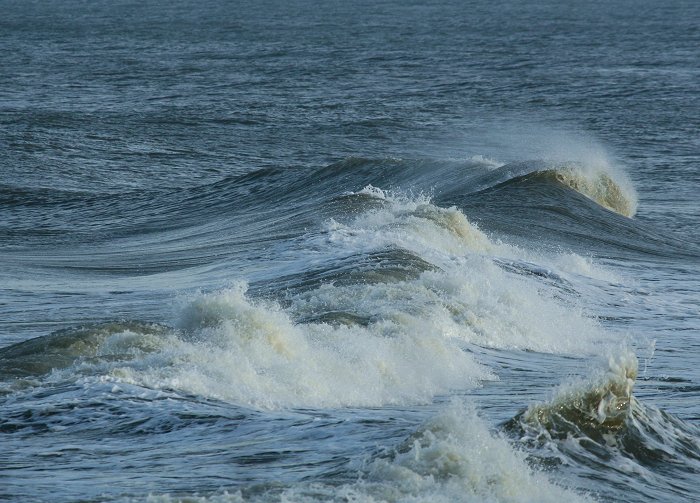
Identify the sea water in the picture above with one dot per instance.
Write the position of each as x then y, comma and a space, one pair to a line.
369, 251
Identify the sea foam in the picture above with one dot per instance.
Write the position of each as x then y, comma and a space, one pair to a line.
453, 457
252, 353
380, 338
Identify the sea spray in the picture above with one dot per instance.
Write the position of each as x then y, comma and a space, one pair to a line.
600, 403
251, 353
454, 457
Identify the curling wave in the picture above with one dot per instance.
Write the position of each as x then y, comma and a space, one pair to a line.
601, 187
606, 186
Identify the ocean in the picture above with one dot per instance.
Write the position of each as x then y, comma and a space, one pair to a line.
372, 251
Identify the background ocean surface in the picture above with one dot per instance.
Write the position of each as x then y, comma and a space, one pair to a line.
349, 251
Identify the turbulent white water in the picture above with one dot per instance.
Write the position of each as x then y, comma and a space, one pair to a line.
451, 458
397, 301
412, 343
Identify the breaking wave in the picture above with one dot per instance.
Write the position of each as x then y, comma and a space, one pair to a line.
453, 457
601, 405
598, 421
382, 310
601, 187
601, 183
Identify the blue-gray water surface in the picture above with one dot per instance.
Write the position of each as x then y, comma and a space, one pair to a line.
349, 251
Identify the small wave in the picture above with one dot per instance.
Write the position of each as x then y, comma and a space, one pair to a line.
602, 409
63, 348
599, 406
455, 458
600, 186
598, 423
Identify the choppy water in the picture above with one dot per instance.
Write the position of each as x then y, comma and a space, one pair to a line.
387, 251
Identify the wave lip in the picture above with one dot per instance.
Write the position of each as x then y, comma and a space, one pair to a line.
605, 188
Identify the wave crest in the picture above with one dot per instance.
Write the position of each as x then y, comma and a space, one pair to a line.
601, 186
602, 404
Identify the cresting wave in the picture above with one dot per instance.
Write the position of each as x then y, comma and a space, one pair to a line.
601, 186
601, 183
602, 404
598, 420
454, 457
381, 311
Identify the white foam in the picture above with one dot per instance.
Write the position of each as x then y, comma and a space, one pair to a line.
251, 353
476, 303
470, 297
411, 223
455, 458
411, 347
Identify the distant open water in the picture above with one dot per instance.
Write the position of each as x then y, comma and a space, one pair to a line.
376, 251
